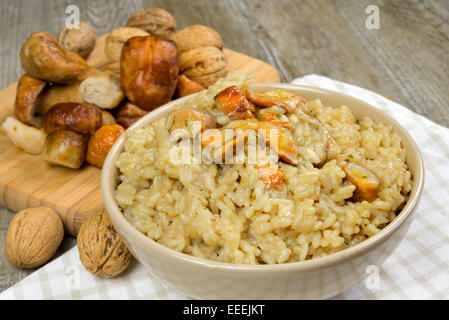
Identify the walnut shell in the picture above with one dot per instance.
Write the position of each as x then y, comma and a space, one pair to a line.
33, 237
203, 65
82, 40
196, 36
117, 38
43, 58
157, 22
149, 71
100, 248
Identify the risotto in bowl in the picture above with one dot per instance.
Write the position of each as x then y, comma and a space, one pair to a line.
262, 191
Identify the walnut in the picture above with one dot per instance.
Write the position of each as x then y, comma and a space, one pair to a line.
117, 38
82, 40
100, 248
196, 36
203, 65
157, 22
33, 237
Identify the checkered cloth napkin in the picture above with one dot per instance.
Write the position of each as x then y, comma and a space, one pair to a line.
417, 269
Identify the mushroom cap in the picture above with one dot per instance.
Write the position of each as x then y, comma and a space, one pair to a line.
84, 118
43, 58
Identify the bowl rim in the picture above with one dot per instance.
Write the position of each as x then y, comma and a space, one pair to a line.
125, 227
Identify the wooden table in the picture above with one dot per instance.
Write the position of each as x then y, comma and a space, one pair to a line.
407, 58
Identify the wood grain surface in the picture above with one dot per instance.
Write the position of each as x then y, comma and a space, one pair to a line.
407, 58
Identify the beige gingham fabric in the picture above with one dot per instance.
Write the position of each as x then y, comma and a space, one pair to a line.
417, 269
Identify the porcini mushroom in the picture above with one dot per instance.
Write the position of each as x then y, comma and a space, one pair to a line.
84, 118
65, 148
287, 101
193, 114
43, 58
28, 89
233, 103
128, 113
365, 181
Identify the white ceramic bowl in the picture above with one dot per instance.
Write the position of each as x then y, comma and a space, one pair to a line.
312, 279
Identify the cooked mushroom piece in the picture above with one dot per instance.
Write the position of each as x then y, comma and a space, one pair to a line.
181, 116
43, 58
215, 143
219, 145
128, 113
107, 118
186, 86
102, 89
149, 70
84, 118
365, 181
28, 89
332, 148
101, 142
113, 67
268, 99
28, 138
285, 146
234, 104
58, 93
272, 177
65, 148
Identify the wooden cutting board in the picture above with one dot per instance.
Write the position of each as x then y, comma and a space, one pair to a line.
28, 181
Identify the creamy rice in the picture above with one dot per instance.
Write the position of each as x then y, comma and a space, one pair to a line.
228, 213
